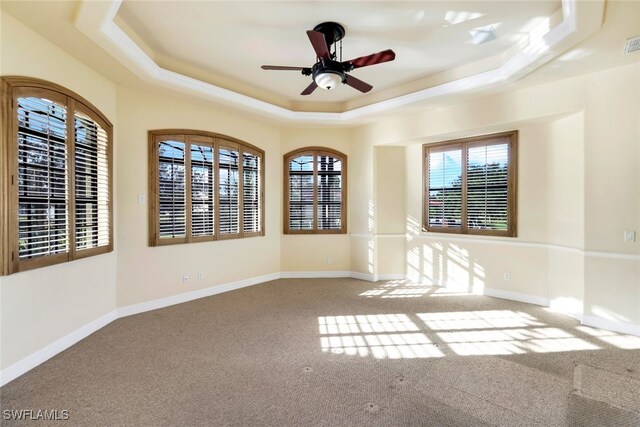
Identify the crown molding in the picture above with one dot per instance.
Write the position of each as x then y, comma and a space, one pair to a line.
579, 20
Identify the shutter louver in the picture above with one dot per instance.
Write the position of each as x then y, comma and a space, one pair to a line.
487, 187
171, 189
206, 188
43, 218
301, 193
445, 188
251, 193
202, 200
91, 183
228, 191
329, 184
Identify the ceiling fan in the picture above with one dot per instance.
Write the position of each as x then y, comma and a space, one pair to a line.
329, 71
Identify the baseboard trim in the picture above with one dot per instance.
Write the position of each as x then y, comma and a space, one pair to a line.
313, 274
611, 325
190, 296
364, 276
397, 276
40, 356
515, 296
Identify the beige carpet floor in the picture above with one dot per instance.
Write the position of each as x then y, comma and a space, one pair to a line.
340, 352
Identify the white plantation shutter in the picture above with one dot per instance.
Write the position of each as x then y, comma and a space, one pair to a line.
43, 190
487, 186
471, 185
301, 193
92, 207
202, 184
251, 212
315, 191
228, 191
172, 207
329, 184
445, 188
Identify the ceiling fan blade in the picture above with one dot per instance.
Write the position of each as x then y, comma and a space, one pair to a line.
278, 67
319, 44
357, 84
309, 89
376, 58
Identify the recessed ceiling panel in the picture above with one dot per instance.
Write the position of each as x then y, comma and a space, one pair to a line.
232, 40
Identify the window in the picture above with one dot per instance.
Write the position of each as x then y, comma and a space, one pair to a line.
315, 191
58, 177
470, 185
204, 187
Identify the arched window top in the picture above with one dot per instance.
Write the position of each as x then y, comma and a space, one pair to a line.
321, 151
315, 191
58, 183
38, 87
205, 186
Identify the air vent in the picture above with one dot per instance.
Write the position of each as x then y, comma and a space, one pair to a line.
632, 45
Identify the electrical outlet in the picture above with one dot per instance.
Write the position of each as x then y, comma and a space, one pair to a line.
507, 276
630, 236
185, 278
329, 260
141, 199
200, 275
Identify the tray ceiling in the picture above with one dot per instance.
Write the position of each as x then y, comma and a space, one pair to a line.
227, 42
213, 50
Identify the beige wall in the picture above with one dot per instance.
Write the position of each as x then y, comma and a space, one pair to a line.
612, 193
578, 191
565, 192
476, 263
43, 305
147, 273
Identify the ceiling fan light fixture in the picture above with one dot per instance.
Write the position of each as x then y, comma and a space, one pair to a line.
327, 79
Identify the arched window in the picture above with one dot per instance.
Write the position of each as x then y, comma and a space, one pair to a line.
315, 193
58, 184
204, 187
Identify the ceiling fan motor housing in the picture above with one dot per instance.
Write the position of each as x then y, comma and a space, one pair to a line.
328, 74
333, 32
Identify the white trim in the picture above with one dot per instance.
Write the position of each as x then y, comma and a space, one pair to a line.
378, 235
540, 245
26, 364
96, 21
40, 356
23, 366
313, 274
615, 255
515, 296
190, 296
362, 235
396, 276
612, 325
364, 276
510, 241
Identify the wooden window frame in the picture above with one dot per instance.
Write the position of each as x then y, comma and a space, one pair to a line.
512, 183
189, 136
315, 151
12, 88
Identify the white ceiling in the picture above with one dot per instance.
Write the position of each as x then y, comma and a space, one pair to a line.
231, 40
90, 35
